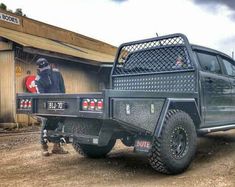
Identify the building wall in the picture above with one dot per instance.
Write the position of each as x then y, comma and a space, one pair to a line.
22, 67
4, 46
77, 77
7, 87
15, 66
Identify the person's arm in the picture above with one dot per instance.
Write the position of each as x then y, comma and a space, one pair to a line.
43, 81
39, 87
62, 86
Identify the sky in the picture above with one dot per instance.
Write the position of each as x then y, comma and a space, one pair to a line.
209, 23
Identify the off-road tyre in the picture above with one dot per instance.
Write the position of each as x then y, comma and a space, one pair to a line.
93, 151
174, 150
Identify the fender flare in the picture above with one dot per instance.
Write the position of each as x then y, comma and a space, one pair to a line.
178, 103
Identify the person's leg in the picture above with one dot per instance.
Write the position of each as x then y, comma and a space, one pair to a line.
43, 139
53, 124
57, 149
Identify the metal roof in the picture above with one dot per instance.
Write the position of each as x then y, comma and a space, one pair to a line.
202, 48
31, 41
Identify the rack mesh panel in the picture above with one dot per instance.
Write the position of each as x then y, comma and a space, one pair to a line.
159, 55
178, 82
160, 64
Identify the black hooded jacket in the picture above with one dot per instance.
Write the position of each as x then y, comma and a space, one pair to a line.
57, 82
50, 81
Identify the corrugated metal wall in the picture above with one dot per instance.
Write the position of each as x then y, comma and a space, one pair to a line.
77, 79
7, 87
22, 67
16, 66
5, 45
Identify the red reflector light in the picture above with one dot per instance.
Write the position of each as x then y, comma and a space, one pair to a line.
92, 105
26, 103
100, 105
29, 104
84, 105
22, 103
89, 104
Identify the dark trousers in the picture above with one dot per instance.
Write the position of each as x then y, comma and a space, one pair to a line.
49, 124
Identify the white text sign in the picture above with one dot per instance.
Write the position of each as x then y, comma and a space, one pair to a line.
9, 18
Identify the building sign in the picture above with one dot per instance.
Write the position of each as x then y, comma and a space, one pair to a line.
9, 18
18, 70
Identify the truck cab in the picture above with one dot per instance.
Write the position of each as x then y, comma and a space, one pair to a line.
216, 73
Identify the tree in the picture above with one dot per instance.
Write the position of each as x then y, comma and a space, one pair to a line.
19, 12
3, 6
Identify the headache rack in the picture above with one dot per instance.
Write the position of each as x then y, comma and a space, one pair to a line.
148, 65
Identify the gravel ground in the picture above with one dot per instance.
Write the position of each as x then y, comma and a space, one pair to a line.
22, 165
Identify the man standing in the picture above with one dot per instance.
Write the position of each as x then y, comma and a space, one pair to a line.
58, 80
49, 80
43, 80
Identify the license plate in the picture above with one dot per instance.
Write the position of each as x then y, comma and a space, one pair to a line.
55, 105
142, 146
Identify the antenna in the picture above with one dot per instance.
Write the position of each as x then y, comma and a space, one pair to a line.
233, 55
157, 34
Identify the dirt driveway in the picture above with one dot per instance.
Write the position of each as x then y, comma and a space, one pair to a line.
21, 164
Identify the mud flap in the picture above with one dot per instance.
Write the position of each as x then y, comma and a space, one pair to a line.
142, 145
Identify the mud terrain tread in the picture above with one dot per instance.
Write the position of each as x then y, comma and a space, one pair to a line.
78, 148
156, 159
155, 155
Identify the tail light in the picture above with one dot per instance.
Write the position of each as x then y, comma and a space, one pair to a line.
25, 104
92, 105
84, 105
29, 104
22, 103
100, 105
